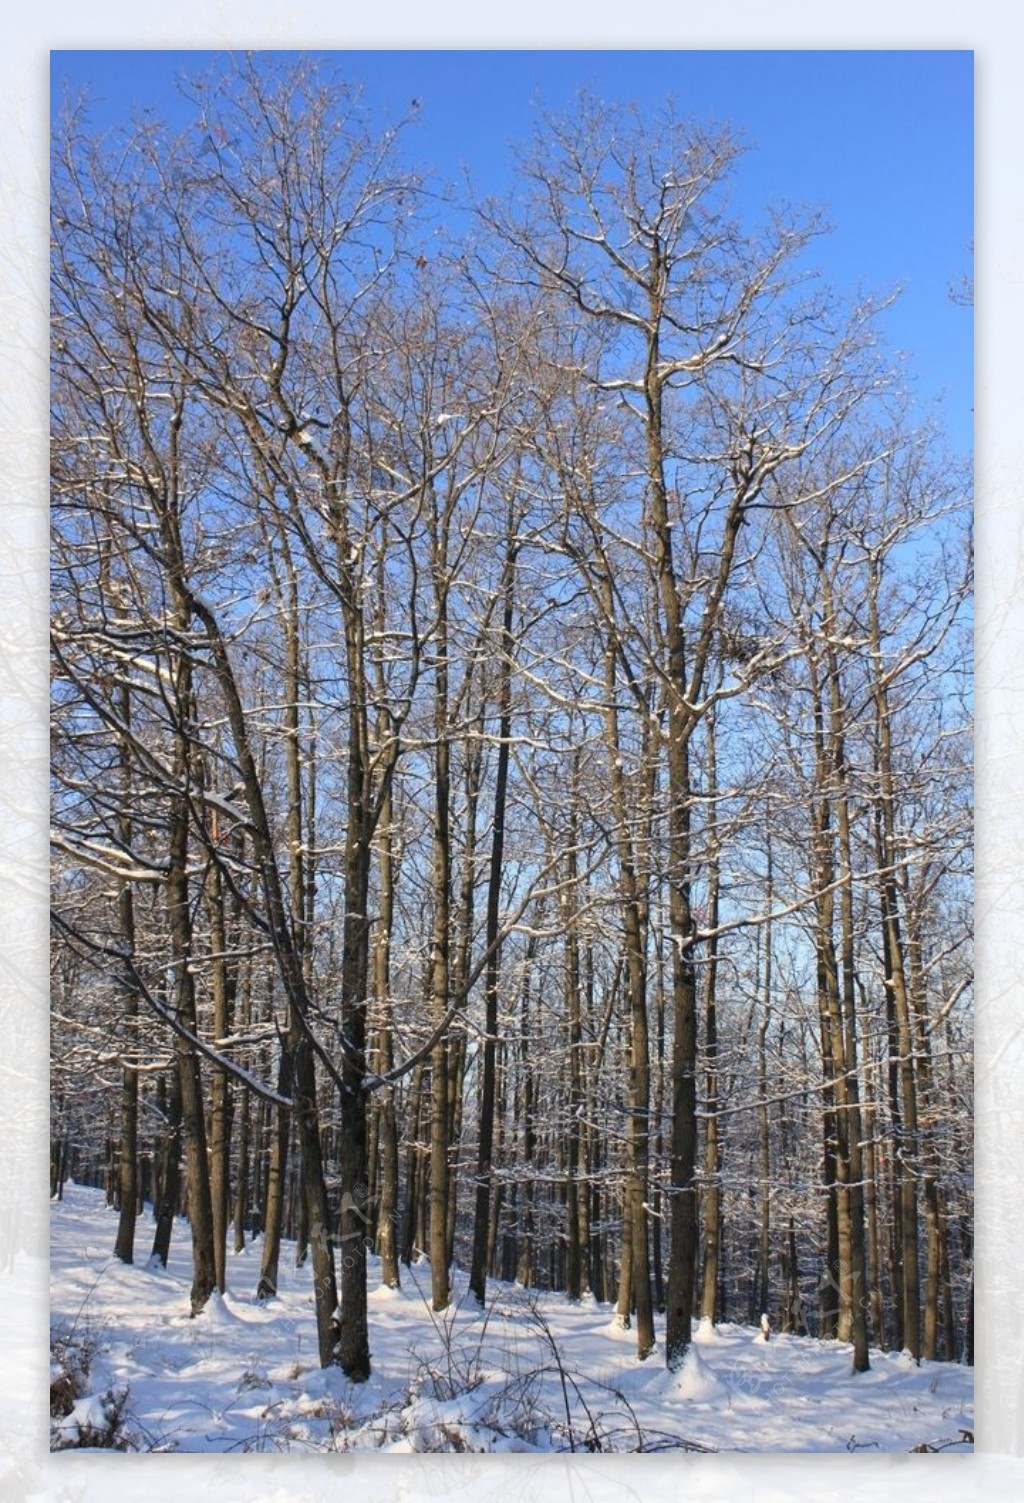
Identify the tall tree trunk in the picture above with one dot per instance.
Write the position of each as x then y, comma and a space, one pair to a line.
763, 1118
853, 1274
636, 1255
276, 1186
441, 939
411, 1240
712, 1152
876, 1309
193, 1121
525, 1263
354, 1343
574, 1228
124, 1243
681, 694
624, 1297
934, 1221
897, 994
387, 1125
168, 1157
456, 1085
188, 783
464, 926
482, 1230
223, 976
439, 1120
657, 1196
242, 1183
844, 1293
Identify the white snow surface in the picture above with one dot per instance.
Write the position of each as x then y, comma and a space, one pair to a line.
531, 1373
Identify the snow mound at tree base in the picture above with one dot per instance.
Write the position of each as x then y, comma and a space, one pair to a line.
694, 1381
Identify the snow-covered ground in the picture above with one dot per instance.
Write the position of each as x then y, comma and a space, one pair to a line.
531, 1373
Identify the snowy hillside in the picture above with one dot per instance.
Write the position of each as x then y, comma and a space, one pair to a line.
531, 1373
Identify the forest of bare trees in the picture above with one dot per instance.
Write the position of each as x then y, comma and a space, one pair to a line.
510, 732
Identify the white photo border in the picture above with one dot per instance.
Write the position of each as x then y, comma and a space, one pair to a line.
995, 35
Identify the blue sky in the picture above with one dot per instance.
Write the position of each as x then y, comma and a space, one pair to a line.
882, 140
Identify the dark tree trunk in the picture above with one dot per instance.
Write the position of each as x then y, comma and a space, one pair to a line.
128, 1188
411, 1242
574, 1228
387, 1125
712, 1151
224, 986
169, 1166
905, 1125
483, 1238
276, 1182
193, 1122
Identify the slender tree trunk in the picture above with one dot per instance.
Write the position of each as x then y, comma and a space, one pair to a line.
193, 1121
682, 1274
624, 1298
872, 1216
482, 1229
500, 1138
353, 1001
124, 1244
169, 1167
127, 1159
949, 1349
934, 1222
439, 1136
456, 1084
276, 1187
387, 1125
223, 973
763, 1118
441, 940
187, 772
242, 1183
897, 995
712, 1152
844, 1295
242, 1179
574, 1242
411, 1240
457, 1036
353, 1347
636, 1256
853, 1274
525, 1263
